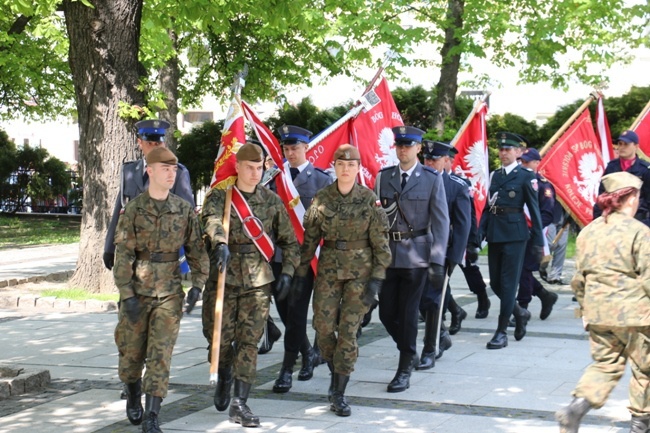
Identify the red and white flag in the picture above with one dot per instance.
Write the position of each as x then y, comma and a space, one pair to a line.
642, 129
604, 136
232, 138
574, 166
324, 144
472, 159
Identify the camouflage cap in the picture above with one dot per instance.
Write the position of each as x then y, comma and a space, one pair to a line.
249, 152
163, 155
622, 179
347, 152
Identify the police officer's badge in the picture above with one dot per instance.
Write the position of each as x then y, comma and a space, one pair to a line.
548, 193
533, 182
285, 129
402, 129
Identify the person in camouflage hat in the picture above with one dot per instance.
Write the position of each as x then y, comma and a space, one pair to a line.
248, 277
351, 266
612, 286
150, 232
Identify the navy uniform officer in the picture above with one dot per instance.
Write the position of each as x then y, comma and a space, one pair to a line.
528, 284
628, 145
308, 180
503, 225
413, 196
436, 156
134, 179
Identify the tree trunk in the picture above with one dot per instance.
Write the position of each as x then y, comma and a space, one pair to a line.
448, 84
169, 79
104, 45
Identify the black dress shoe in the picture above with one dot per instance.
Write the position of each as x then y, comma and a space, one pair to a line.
558, 282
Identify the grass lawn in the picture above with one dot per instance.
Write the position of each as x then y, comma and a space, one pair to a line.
80, 295
17, 231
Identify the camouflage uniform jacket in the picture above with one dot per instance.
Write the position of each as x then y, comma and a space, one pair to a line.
612, 281
143, 228
251, 270
356, 216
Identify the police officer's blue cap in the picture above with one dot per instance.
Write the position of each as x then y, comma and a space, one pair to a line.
531, 154
453, 151
629, 136
434, 149
290, 134
408, 135
510, 139
152, 130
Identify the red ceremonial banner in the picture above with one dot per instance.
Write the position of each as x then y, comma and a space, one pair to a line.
321, 155
372, 133
642, 129
472, 159
605, 137
232, 138
574, 166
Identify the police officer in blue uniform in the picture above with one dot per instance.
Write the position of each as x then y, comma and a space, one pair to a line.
436, 156
414, 199
134, 179
528, 284
628, 145
308, 180
503, 225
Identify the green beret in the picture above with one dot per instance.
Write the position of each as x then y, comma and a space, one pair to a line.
619, 180
161, 154
249, 152
347, 152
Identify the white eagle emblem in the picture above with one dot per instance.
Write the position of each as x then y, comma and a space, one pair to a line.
386, 155
475, 162
590, 171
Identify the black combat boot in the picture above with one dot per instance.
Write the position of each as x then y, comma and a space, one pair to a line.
401, 381
548, 299
522, 316
338, 404
240, 413
330, 391
483, 308
222, 393
428, 357
318, 358
151, 411
457, 316
445, 341
271, 335
500, 337
640, 424
570, 416
283, 382
308, 360
134, 409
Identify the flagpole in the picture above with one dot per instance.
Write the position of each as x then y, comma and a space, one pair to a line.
469, 118
640, 116
567, 124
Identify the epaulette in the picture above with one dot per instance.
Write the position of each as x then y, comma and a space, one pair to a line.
457, 179
388, 168
644, 163
527, 169
322, 171
431, 170
543, 179
130, 162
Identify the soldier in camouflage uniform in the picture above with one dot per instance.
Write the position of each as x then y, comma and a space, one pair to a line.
351, 267
612, 285
154, 226
248, 279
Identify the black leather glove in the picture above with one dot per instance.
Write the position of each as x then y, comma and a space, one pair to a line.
450, 266
436, 275
298, 285
283, 287
472, 254
220, 257
538, 253
109, 260
370, 296
192, 297
131, 308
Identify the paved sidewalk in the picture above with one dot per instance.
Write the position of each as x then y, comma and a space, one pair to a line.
471, 389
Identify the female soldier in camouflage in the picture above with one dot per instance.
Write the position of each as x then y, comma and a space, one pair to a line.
351, 267
612, 285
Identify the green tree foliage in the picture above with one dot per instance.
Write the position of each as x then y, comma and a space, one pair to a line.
198, 149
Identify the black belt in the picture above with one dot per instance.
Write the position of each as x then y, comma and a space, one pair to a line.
242, 248
157, 257
400, 236
347, 245
498, 210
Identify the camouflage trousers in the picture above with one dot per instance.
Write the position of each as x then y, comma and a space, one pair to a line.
151, 338
611, 348
243, 318
337, 334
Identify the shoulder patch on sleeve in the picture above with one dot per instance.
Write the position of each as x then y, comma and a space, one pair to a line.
533, 182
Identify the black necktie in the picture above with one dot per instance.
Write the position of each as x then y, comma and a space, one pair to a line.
294, 172
404, 176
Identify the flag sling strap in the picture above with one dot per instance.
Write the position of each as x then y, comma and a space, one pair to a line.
253, 227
